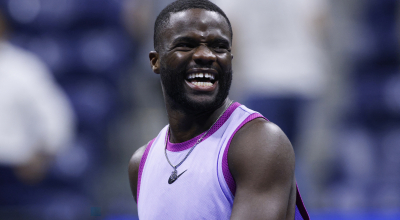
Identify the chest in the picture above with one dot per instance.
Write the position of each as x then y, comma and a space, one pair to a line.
195, 194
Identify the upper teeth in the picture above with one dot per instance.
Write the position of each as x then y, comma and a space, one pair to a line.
201, 75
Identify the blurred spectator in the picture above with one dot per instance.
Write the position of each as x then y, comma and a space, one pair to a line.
36, 121
279, 56
282, 70
86, 49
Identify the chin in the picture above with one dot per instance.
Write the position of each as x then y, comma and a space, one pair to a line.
202, 104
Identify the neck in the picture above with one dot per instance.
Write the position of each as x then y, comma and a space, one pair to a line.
185, 125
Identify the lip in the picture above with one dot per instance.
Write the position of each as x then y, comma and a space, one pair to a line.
202, 88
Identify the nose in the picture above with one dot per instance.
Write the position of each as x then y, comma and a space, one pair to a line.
204, 55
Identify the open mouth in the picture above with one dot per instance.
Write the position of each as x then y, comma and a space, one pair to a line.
202, 80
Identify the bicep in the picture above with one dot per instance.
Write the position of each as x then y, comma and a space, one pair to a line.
261, 160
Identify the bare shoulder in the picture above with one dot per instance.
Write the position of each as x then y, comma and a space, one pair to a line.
261, 160
262, 137
133, 169
134, 162
259, 152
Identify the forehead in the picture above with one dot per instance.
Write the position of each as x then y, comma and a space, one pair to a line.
198, 22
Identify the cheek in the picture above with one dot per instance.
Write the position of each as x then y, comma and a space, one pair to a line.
225, 61
176, 61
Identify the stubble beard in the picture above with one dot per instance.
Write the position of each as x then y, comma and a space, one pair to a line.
173, 84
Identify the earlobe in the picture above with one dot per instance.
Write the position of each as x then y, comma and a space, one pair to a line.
154, 62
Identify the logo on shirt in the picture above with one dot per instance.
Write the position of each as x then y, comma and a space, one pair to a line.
173, 179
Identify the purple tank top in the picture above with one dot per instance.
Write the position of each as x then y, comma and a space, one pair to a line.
205, 188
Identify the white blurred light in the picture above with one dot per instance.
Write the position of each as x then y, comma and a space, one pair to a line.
24, 11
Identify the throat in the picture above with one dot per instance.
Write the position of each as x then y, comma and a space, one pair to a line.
182, 136
185, 127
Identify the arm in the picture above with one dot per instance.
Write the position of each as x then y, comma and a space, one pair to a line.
261, 160
133, 170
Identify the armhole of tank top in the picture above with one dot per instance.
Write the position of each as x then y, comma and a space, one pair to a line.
141, 166
225, 167
300, 206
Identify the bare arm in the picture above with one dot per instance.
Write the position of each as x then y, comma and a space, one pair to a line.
261, 160
133, 169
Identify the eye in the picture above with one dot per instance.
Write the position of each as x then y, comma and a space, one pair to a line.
184, 46
221, 48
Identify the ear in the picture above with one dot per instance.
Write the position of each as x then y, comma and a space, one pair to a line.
154, 61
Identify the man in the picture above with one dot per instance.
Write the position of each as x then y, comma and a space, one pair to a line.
216, 159
36, 124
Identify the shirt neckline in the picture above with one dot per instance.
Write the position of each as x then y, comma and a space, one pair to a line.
176, 147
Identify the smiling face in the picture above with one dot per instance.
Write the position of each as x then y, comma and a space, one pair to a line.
194, 59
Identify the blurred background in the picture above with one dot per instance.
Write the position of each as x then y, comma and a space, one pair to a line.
78, 97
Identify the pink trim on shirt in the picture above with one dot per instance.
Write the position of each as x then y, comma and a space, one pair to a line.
231, 182
300, 205
141, 166
176, 147
225, 167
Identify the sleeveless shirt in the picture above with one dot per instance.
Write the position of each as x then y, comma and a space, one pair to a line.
205, 188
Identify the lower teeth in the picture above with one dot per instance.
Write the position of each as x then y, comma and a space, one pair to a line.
202, 84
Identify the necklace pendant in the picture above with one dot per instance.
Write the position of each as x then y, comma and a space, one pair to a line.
173, 177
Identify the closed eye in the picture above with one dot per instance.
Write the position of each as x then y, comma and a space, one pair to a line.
221, 45
184, 45
221, 48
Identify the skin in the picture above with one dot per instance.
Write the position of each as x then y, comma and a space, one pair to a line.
260, 157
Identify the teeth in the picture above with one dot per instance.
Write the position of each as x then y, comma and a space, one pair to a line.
201, 75
202, 84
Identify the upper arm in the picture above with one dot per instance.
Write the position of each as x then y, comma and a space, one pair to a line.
133, 170
261, 160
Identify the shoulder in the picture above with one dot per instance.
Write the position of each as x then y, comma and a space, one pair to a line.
262, 135
261, 161
261, 146
134, 162
133, 169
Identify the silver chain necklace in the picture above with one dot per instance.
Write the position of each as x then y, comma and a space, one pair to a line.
174, 174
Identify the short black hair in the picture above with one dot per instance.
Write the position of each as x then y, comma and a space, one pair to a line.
183, 5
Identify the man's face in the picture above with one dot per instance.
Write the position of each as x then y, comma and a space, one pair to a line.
195, 59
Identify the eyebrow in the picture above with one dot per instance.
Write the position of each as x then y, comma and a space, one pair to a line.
221, 41
191, 40
183, 39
